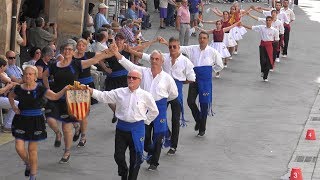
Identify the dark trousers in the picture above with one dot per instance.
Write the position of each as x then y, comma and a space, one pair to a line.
170, 15
264, 62
200, 118
176, 113
123, 139
156, 4
146, 21
153, 151
286, 40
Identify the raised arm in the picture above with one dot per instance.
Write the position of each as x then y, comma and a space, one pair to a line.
95, 60
216, 11
248, 27
128, 65
254, 17
226, 29
203, 30
45, 76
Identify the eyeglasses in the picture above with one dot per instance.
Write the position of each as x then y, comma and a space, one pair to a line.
11, 58
132, 77
172, 46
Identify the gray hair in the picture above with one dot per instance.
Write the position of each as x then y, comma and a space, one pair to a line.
69, 42
25, 67
136, 71
158, 52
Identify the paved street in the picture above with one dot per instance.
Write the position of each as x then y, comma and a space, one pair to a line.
253, 134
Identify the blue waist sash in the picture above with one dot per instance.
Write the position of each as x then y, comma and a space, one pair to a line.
31, 112
137, 130
180, 99
160, 123
86, 80
118, 73
204, 83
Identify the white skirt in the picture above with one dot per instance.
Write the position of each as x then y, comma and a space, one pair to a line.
235, 33
228, 40
221, 48
242, 30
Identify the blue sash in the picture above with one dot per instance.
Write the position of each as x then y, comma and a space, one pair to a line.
137, 130
86, 80
31, 112
204, 83
180, 99
160, 126
119, 73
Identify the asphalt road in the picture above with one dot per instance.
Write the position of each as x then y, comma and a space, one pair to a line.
253, 134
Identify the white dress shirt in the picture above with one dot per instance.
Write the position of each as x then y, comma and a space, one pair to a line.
207, 57
162, 86
290, 14
130, 106
181, 70
281, 16
276, 24
267, 34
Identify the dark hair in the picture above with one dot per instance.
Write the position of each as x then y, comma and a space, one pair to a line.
33, 50
130, 4
202, 32
226, 12
3, 62
268, 17
46, 51
75, 38
91, 6
279, 2
173, 39
99, 37
119, 35
273, 11
39, 21
102, 29
86, 34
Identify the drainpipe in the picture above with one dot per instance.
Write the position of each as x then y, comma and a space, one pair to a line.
86, 11
13, 27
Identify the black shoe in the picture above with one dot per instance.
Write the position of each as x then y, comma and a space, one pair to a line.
162, 27
114, 119
64, 160
76, 134
27, 171
171, 152
152, 167
201, 134
94, 101
57, 143
196, 127
82, 143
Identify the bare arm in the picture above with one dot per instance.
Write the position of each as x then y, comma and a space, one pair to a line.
203, 30
24, 34
254, 17
45, 76
4, 78
133, 51
40, 69
55, 96
95, 60
217, 12
11, 97
230, 27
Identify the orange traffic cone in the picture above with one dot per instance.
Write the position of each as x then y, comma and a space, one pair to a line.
311, 135
296, 174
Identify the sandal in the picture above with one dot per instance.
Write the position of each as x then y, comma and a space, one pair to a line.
77, 132
82, 142
27, 171
57, 142
65, 159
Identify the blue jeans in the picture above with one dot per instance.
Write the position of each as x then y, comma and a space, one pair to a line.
170, 15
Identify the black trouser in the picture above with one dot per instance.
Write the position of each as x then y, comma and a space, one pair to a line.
175, 120
123, 139
265, 63
146, 21
286, 40
276, 53
200, 118
156, 4
153, 151
170, 15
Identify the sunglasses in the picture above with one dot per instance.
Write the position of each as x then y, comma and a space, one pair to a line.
172, 46
132, 77
11, 58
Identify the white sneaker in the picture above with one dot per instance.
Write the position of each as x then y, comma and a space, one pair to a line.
284, 56
225, 66
277, 59
236, 52
218, 75
265, 80
271, 70
230, 57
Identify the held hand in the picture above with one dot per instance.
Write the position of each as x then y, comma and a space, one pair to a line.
16, 110
24, 26
55, 25
90, 90
163, 41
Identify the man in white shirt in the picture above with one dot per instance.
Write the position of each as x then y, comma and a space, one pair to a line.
291, 17
277, 24
269, 38
181, 70
163, 88
204, 59
134, 108
267, 12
